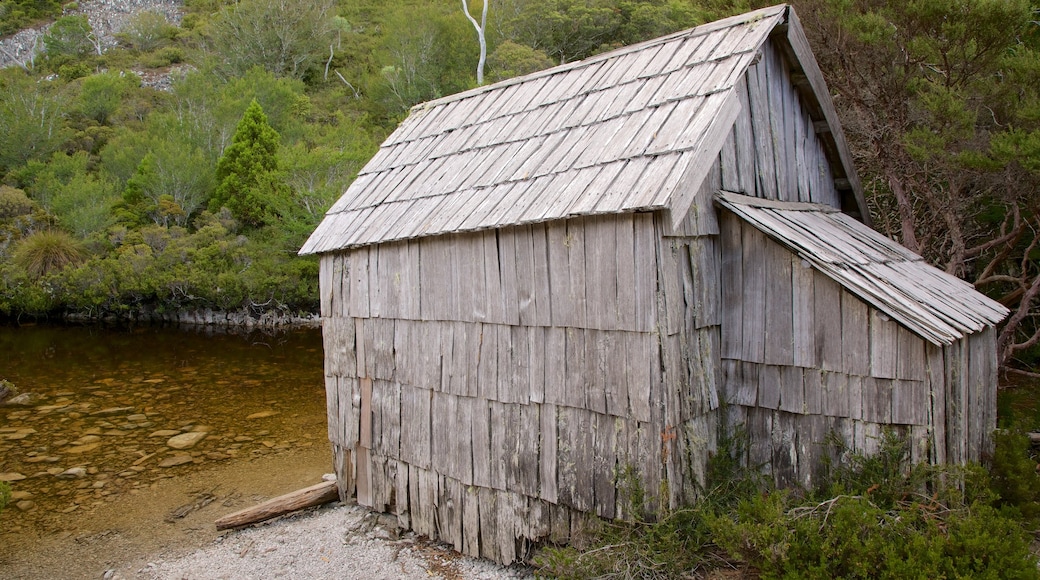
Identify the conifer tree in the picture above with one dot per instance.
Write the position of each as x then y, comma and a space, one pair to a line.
249, 182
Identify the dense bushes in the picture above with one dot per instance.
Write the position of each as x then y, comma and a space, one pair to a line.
873, 517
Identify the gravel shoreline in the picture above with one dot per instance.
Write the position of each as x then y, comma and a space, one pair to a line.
334, 541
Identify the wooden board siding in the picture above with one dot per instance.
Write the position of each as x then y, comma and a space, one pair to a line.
775, 138
600, 362
839, 361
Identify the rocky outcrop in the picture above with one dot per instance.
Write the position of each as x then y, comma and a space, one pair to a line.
106, 17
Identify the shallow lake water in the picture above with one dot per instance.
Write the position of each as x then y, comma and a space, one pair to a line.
112, 412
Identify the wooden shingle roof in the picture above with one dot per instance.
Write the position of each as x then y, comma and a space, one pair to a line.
933, 304
634, 129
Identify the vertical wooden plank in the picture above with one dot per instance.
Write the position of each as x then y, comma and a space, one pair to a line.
765, 165
779, 300
645, 251
563, 313
669, 283
760, 434
549, 442
462, 438
487, 370
744, 140
937, 389
574, 391
445, 359
884, 349
489, 545
536, 364
856, 386
507, 520
877, 401
910, 363
604, 465
492, 278
835, 394
365, 438
803, 317
583, 450
567, 450
525, 275
855, 333
364, 477
755, 264
359, 304
769, 387
402, 507
616, 374
555, 366
471, 522
600, 257
626, 273
706, 280
639, 369
509, 296
595, 373
576, 265
449, 512
956, 435
383, 348
500, 445
814, 400
520, 359
390, 420
732, 281
327, 286
471, 284
411, 308
728, 161
528, 459
391, 261
792, 390
542, 292
506, 380
417, 402
434, 279
481, 443
827, 315
443, 451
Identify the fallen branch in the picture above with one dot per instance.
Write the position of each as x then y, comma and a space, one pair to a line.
314, 495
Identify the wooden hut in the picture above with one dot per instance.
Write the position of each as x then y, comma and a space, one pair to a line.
541, 293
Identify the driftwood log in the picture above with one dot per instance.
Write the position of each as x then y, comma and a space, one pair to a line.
314, 495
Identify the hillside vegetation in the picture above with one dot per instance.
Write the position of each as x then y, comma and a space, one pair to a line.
121, 194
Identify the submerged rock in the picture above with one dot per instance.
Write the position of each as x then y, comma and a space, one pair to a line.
175, 460
186, 440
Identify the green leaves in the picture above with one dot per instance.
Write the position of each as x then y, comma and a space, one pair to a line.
249, 183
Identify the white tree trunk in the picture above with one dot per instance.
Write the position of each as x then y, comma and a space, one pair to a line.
480, 28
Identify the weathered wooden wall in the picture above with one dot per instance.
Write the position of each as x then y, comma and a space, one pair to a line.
802, 358
773, 151
493, 385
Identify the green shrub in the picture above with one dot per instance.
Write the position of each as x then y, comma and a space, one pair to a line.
163, 57
14, 203
75, 70
146, 31
46, 252
874, 517
1013, 472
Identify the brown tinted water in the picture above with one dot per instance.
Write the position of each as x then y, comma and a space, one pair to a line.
107, 409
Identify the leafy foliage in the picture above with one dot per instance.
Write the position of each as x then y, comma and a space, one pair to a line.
69, 37
47, 252
875, 517
249, 183
18, 14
